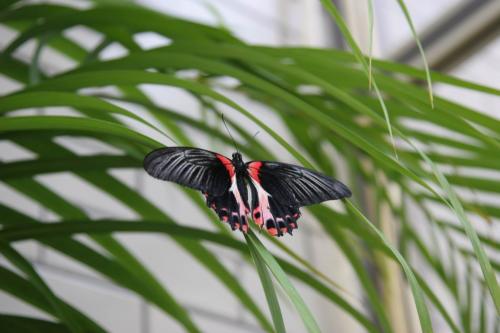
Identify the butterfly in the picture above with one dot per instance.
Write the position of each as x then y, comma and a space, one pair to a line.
277, 190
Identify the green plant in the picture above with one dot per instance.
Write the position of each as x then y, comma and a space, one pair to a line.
344, 115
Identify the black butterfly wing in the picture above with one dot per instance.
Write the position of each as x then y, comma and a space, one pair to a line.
295, 185
280, 189
196, 168
206, 171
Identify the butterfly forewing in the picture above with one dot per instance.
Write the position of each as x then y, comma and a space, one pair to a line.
195, 168
294, 185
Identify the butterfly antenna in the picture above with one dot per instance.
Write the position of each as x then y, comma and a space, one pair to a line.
229, 132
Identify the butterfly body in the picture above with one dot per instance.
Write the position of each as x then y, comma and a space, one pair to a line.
271, 193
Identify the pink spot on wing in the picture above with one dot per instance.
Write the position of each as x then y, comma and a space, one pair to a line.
257, 216
272, 231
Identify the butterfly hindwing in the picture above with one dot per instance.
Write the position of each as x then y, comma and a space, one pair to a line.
230, 207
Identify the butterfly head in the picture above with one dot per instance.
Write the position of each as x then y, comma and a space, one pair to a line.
237, 160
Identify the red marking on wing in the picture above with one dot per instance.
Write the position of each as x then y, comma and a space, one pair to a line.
253, 170
257, 216
272, 231
227, 164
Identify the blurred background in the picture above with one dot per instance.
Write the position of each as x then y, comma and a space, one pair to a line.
460, 37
